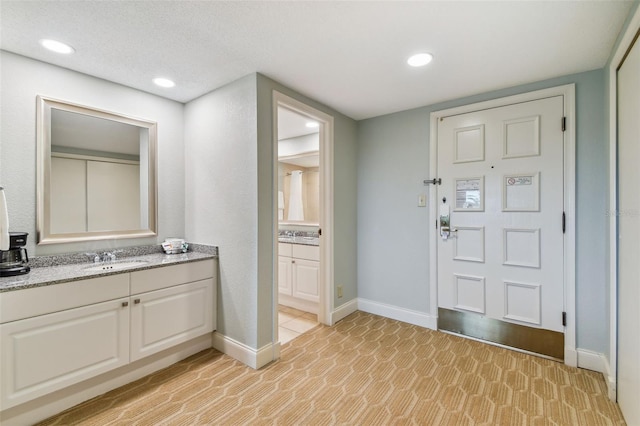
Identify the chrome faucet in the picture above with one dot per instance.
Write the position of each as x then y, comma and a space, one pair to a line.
108, 256
101, 258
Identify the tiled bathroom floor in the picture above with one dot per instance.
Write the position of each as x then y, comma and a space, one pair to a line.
292, 323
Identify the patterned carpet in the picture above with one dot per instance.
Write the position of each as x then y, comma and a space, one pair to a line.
366, 370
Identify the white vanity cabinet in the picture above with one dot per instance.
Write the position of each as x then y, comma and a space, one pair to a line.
43, 351
304, 282
179, 307
299, 276
284, 268
59, 335
305, 272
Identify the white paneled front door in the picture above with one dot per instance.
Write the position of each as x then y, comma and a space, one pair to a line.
502, 193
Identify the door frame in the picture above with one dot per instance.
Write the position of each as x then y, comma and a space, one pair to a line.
626, 40
326, 278
568, 91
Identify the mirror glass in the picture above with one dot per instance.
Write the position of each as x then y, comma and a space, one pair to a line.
298, 169
96, 174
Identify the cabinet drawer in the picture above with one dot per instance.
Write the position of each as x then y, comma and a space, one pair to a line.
164, 318
284, 249
31, 302
168, 276
306, 252
42, 354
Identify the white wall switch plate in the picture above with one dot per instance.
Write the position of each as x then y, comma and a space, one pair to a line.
422, 200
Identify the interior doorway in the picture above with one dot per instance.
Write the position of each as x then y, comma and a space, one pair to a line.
302, 174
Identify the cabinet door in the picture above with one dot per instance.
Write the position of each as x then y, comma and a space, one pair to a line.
164, 318
284, 275
113, 196
68, 195
49, 352
305, 279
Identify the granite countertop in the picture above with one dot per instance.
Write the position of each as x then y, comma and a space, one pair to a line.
307, 241
60, 273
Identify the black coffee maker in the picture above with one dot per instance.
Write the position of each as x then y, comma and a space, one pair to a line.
15, 261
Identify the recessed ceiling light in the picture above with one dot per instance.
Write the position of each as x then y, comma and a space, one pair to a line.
420, 59
312, 124
163, 82
56, 46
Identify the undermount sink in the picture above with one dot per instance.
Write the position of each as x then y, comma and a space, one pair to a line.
115, 266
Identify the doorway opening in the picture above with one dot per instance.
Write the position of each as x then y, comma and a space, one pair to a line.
302, 175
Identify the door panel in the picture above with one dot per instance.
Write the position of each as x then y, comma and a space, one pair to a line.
284, 275
68, 195
629, 236
164, 318
502, 185
113, 196
50, 352
306, 279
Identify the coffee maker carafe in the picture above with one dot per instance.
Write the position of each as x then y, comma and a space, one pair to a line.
15, 261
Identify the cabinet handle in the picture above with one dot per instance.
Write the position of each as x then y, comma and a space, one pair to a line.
136, 301
293, 261
125, 304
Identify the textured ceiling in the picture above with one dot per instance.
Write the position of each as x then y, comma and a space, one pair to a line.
349, 55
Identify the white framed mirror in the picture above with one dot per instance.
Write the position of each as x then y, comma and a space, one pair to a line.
96, 174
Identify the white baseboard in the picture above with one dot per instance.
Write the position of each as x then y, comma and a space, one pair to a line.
46, 406
610, 378
598, 362
271, 352
344, 310
254, 358
400, 314
570, 357
267, 354
612, 387
592, 361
